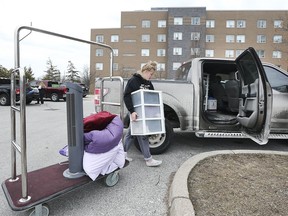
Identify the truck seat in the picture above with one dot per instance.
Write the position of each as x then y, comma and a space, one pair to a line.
232, 90
217, 91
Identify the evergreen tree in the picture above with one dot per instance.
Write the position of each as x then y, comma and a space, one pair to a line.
29, 74
72, 73
52, 72
4, 72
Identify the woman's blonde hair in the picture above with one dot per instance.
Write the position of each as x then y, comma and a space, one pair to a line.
150, 65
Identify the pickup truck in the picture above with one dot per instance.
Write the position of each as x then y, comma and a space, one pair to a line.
213, 98
85, 89
52, 90
5, 92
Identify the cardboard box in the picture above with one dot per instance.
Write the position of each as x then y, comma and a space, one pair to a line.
212, 104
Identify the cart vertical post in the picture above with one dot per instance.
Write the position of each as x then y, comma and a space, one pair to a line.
74, 103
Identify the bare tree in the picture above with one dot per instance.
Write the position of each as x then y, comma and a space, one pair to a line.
86, 75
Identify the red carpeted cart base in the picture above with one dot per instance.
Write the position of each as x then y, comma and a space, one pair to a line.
43, 185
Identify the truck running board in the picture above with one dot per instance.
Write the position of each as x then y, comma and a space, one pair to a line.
205, 134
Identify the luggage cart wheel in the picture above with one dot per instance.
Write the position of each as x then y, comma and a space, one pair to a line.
111, 179
40, 210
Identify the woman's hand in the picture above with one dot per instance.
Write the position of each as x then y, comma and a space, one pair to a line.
133, 116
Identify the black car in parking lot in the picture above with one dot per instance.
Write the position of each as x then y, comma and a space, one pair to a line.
85, 89
83, 86
5, 92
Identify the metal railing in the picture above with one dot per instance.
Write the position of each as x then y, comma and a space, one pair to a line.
15, 147
111, 103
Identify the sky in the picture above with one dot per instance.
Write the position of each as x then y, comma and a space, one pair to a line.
76, 19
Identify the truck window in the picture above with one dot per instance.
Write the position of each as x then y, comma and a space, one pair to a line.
277, 79
182, 71
5, 81
249, 72
53, 84
8, 81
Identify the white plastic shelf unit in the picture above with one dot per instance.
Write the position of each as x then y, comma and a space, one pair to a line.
149, 106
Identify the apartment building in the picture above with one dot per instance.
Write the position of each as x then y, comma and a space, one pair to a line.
171, 36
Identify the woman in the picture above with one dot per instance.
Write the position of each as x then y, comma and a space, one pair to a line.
140, 80
41, 89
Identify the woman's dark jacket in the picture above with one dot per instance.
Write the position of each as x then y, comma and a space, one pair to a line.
135, 83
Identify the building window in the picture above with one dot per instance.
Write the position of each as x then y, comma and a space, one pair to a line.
195, 52
240, 38
99, 66
261, 23
99, 38
145, 52
278, 23
209, 53
129, 26
161, 23
229, 53
129, 54
160, 67
261, 53
276, 54
145, 38
99, 52
129, 41
161, 38
115, 66
209, 38
230, 24
277, 39
238, 52
115, 52
176, 65
241, 24
161, 52
178, 21
177, 51
114, 38
195, 21
230, 38
145, 23
195, 36
261, 38
177, 36
210, 23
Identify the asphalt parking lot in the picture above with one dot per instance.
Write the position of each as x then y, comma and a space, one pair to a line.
141, 190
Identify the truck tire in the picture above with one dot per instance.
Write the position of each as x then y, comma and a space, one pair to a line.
28, 101
159, 143
54, 97
4, 100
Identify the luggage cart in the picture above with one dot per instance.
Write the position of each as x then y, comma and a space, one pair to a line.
32, 190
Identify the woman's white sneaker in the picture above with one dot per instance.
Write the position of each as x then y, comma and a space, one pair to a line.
127, 158
153, 163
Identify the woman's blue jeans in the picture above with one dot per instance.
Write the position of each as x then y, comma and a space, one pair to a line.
143, 144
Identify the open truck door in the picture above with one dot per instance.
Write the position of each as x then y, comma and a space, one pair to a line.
255, 103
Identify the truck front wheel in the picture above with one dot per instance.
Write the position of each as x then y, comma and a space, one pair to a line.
4, 100
54, 97
159, 143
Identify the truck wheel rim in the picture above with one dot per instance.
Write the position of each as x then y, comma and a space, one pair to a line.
156, 140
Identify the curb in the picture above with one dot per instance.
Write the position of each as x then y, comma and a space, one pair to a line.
179, 202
